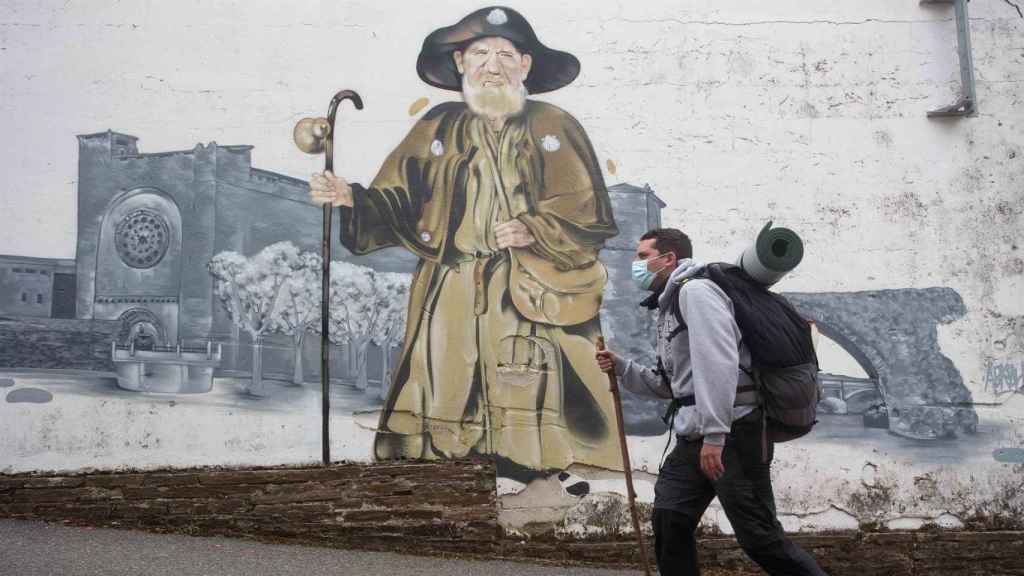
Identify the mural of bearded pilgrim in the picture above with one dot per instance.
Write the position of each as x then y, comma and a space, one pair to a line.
502, 199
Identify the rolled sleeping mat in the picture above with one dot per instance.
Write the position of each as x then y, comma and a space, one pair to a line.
775, 252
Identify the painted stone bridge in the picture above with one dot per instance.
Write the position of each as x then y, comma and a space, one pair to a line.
893, 335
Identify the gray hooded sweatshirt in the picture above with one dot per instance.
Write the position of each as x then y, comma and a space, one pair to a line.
703, 361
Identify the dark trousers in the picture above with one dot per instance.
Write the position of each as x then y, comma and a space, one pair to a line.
683, 493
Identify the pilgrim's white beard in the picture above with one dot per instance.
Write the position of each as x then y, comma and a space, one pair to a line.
494, 101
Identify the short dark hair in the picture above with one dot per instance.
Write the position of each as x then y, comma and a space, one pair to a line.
670, 240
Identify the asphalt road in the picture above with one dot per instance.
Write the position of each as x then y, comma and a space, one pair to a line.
29, 548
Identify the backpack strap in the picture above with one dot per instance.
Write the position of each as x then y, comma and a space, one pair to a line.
746, 395
677, 313
670, 413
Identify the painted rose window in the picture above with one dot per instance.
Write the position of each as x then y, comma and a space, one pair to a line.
141, 238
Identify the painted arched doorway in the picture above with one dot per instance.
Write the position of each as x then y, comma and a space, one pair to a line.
138, 264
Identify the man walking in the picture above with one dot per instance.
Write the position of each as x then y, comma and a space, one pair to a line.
717, 421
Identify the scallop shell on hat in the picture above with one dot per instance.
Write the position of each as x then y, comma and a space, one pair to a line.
497, 17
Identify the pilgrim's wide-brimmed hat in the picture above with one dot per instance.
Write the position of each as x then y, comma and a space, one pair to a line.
551, 69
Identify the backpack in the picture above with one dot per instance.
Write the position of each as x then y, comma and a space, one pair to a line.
783, 363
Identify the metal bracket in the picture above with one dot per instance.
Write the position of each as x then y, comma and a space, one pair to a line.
967, 104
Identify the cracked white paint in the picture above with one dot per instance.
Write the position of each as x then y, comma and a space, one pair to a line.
869, 474
642, 487
948, 521
507, 486
542, 501
831, 518
916, 523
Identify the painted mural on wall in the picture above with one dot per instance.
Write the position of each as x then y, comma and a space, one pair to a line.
473, 276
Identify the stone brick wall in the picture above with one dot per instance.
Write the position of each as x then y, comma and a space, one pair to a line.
56, 343
411, 507
921, 553
438, 508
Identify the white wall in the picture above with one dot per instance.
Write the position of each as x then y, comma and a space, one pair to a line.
811, 114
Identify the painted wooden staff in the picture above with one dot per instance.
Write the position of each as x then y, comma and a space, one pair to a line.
313, 136
613, 385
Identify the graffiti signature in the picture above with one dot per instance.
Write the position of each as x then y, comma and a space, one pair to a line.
1004, 377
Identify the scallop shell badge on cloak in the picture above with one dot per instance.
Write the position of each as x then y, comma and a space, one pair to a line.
436, 148
550, 143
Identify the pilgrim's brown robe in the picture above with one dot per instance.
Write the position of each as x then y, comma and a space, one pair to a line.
498, 356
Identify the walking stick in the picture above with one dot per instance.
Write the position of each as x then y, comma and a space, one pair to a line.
613, 385
313, 136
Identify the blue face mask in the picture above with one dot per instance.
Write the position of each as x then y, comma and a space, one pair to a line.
643, 277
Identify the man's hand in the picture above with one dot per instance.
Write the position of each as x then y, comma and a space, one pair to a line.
326, 187
513, 234
606, 360
711, 461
